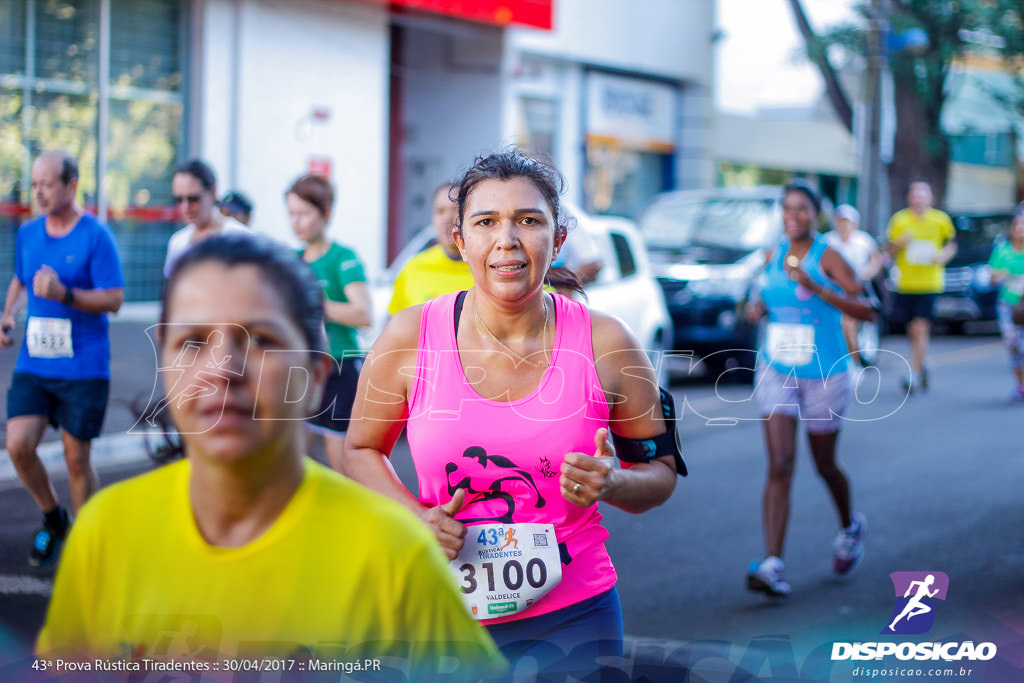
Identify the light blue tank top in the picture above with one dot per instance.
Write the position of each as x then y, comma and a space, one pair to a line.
803, 334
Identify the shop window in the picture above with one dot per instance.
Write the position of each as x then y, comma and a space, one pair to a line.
627, 264
621, 181
540, 126
50, 96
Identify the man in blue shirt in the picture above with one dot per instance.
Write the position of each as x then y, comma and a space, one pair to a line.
68, 265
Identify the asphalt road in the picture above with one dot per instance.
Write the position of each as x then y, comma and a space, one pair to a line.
938, 476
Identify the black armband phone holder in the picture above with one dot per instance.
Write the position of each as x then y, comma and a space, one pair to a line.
667, 443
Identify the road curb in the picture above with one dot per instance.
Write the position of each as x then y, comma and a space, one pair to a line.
107, 451
137, 312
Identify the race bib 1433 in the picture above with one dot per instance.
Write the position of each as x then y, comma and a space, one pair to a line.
49, 337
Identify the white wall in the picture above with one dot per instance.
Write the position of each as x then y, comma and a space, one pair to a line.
216, 30
667, 38
980, 188
815, 146
452, 84
558, 81
695, 163
289, 59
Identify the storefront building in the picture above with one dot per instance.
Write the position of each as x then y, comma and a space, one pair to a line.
387, 98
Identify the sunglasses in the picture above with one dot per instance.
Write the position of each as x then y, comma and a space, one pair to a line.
189, 198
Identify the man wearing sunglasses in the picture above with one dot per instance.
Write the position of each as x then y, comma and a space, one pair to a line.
195, 193
68, 271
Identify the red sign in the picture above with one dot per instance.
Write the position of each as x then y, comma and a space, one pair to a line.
532, 13
15, 209
141, 214
320, 166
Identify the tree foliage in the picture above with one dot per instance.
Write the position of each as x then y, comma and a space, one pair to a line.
921, 78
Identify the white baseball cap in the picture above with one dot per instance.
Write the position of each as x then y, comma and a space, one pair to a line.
849, 213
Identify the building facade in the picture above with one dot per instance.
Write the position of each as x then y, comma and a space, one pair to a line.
388, 99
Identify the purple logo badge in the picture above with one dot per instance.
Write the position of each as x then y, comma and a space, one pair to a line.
916, 596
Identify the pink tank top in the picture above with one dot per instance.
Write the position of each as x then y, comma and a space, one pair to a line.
508, 454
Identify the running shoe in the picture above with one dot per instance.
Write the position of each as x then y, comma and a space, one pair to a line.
908, 383
1017, 396
924, 379
848, 547
766, 576
46, 544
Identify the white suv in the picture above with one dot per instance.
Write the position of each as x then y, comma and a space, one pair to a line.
624, 287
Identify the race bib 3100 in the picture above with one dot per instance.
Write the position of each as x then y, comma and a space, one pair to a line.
504, 568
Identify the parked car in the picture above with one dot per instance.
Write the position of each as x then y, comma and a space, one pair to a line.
706, 246
624, 287
969, 294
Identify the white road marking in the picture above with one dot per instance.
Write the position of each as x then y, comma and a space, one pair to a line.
11, 584
109, 450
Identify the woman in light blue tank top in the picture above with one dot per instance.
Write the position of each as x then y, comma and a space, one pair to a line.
803, 375
804, 336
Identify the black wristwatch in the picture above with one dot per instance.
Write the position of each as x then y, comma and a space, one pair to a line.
69, 297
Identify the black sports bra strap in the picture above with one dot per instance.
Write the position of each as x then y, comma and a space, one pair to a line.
460, 300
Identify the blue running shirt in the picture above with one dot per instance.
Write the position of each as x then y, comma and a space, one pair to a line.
85, 258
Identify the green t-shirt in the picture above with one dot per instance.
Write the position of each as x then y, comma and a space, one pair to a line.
336, 269
1010, 262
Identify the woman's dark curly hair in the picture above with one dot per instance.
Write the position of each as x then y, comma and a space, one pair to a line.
509, 165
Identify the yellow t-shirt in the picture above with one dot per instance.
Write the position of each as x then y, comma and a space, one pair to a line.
427, 275
341, 575
918, 274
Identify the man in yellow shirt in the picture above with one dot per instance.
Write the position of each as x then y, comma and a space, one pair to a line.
439, 269
921, 241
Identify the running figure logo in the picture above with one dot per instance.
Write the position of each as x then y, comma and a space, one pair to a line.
494, 491
201, 368
916, 593
510, 538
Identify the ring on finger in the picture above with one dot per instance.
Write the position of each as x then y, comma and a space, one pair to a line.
577, 487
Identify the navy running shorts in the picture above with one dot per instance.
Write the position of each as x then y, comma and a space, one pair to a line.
577, 640
339, 395
907, 307
77, 406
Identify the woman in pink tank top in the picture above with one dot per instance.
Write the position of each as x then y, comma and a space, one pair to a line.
508, 393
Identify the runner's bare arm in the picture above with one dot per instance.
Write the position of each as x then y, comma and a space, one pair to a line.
898, 243
875, 264
947, 252
98, 300
378, 417
46, 284
12, 304
356, 311
381, 408
635, 411
14, 300
839, 271
754, 309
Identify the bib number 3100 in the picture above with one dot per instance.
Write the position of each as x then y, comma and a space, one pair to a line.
504, 568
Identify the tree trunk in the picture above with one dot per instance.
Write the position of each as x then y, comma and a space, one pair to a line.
836, 94
920, 150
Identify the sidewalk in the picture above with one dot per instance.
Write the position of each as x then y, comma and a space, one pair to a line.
132, 373
107, 451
